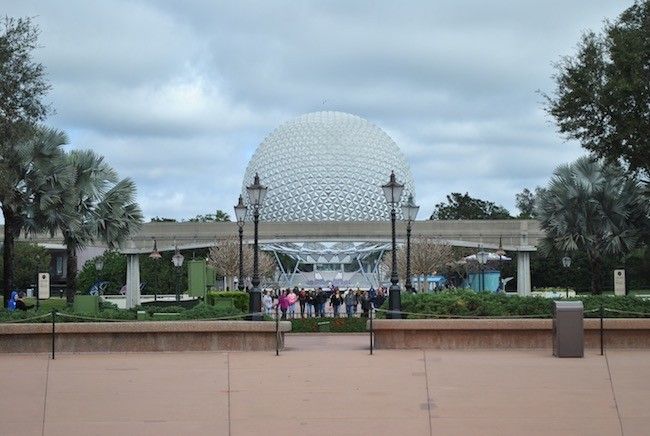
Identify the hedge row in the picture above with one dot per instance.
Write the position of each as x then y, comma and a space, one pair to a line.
337, 325
469, 303
200, 311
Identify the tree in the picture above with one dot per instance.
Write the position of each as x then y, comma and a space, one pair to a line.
27, 154
33, 179
602, 94
105, 208
525, 201
225, 259
23, 81
158, 219
428, 256
464, 207
219, 216
29, 261
593, 207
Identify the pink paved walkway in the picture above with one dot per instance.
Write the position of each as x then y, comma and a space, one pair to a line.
326, 385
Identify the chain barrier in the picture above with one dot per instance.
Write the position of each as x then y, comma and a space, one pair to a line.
626, 312
441, 316
17, 321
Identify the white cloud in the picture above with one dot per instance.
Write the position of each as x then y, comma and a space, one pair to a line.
177, 95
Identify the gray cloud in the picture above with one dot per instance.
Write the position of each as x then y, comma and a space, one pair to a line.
177, 95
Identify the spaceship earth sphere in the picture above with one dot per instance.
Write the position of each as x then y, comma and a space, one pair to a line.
327, 166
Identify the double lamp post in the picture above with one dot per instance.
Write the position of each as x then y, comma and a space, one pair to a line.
256, 194
393, 193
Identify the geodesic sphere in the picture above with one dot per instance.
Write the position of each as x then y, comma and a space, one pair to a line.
327, 166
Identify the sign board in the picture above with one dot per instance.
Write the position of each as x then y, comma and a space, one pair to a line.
43, 285
619, 282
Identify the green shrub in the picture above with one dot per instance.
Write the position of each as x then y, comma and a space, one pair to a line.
337, 325
469, 303
240, 299
206, 311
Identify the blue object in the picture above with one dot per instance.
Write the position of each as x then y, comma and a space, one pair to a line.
430, 282
491, 281
11, 305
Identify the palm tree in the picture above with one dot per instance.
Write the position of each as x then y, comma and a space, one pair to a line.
105, 208
33, 178
593, 207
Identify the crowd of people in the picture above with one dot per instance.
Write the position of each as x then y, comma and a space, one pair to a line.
301, 303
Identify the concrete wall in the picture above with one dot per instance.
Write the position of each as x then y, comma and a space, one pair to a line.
503, 333
142, 336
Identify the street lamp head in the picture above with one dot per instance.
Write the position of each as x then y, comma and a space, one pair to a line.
99, 263
256, 192
392, 190
566, 261
155, 255
482, 257
240, 211
178, 258
410, 209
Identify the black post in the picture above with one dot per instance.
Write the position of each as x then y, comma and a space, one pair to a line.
408, 284
241, 258
38, 303
394, 297
53, 321
372, 309
178, 283
277, 332
602, 314
255, 305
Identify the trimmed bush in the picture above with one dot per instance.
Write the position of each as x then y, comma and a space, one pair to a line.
337, 325
239, 299
469, 303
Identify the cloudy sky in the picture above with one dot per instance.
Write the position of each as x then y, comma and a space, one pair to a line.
178, 94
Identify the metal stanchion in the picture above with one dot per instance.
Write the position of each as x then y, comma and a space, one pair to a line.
277, 332
602, 314
53, 321
372, 309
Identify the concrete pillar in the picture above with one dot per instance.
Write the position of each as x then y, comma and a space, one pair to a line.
132, 281
523, 273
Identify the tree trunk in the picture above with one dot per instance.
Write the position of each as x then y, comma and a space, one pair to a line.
596, 285
71, 273
8, 250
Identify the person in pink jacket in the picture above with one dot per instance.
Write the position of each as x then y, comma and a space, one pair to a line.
292, 297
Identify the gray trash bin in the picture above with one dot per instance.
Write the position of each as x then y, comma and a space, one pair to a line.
568, 329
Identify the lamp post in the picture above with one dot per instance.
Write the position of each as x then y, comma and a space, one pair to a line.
240, 214
500, 252
410, 212
177, 260
256, 193
566, 263
99, 265
155, 255
393, 193
482, 257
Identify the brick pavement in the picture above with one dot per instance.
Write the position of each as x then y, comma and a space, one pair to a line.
326, 385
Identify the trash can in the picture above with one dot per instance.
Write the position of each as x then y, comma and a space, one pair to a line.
568, 329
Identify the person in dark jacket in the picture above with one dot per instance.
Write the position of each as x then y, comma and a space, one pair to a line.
350, 299
365, 304
320, 300
380, 298
336, 300
302, 300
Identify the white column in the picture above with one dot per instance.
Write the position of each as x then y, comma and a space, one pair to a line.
132, 281
523, 273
